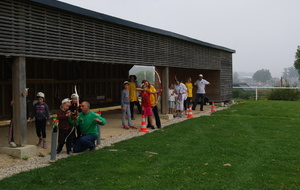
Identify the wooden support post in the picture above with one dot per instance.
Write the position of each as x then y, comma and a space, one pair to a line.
19, 97
165, 85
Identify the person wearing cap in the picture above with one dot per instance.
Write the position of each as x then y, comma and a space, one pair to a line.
125, 106
133, 96
74, 108
200, 83
65, 133
41, 114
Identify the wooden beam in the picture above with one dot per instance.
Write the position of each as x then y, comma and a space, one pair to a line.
165, 85
19, 97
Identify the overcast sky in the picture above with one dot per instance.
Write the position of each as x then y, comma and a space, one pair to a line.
264, 33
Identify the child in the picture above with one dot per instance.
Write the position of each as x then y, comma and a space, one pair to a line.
146, 104
181, 92
65, 128
172, 97
42, 116
133, 96
189, 87
73, 105
74, 108
125, 105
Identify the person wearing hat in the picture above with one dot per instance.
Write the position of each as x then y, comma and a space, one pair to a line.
133, 96
73, 108
65, 133
41, 114
200, 83
125, 106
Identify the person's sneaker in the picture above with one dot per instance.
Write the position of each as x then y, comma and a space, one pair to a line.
133, 127
152, 127
40, 143
133, 118
69, 152
179, 115
44, 145
125, 127
13, 144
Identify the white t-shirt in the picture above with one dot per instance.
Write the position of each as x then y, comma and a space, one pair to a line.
182, 88
201, 86
172, 97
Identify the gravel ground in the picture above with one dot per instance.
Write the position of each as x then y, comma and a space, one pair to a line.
42, 161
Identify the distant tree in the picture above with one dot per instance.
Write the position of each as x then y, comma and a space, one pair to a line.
297, 60
236, 78
290, 72
262, 75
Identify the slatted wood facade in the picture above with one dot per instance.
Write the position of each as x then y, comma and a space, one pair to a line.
49, 31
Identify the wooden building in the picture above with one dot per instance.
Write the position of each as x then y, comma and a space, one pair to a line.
59, 45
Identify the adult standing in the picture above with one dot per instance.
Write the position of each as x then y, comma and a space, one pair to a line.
87, 121
153, 98
200, 83
133, 96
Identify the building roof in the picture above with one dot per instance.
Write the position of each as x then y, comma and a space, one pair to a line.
103, 17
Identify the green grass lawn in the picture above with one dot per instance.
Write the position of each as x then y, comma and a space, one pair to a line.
254, 145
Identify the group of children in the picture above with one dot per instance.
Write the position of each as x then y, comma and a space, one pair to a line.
148, 105
41, 114
180, 95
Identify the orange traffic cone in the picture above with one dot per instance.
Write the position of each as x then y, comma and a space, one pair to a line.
144, 125
213, 107
190, 113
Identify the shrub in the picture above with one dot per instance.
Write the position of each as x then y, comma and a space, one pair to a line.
238, 93
284, 94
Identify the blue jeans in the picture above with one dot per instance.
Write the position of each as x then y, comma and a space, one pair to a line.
84, 142
196, 101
